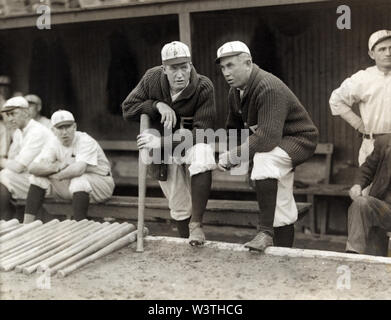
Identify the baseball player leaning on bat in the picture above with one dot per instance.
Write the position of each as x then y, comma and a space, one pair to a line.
284, 136
72, 165
29, 138
167, 93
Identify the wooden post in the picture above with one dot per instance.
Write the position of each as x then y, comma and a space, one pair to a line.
185, 28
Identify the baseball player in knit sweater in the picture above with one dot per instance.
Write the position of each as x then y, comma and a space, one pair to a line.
168, 93
282, 136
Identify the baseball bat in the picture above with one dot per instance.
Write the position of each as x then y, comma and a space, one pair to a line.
32, 265
4, 231
29, 239
19, 231
9, 264
47, 239
118, 244
77, 247
12, 245
9, 223
142, 185
122, 230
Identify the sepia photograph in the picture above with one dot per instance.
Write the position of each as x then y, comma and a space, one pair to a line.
195, 154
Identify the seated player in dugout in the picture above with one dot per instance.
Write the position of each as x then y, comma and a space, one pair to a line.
369, 216
71, 166
281, 136
29, 137
168, 93
35, 105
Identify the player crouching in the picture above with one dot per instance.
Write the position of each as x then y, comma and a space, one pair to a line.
71, 166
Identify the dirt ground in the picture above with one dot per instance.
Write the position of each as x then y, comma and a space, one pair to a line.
179, 271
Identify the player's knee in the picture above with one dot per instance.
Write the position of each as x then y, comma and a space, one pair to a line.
201, 159
41, 182
80, 184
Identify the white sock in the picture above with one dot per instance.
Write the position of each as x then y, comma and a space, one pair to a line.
28, 218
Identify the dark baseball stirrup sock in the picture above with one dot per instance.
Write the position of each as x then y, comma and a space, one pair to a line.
266, 191
34, 201
80, 203
183, 227
200, 191
284, 236
6, 210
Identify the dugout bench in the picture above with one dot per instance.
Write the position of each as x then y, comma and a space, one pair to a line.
312, 179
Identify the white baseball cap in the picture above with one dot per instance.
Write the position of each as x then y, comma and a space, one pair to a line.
32, 98
15, 102
377, 37
232, 48
62, 117
175, 52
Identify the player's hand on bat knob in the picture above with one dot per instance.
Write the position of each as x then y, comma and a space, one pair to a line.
168, 115
147, 140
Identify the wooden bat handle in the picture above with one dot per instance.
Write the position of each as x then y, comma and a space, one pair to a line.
142, 186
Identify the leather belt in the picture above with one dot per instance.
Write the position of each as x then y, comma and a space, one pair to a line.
372, 136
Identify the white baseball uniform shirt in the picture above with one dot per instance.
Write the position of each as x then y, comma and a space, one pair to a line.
371, 90
26, 145
83, 148
97, 180
45, 121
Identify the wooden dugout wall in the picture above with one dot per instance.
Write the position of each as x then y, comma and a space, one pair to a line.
299, 43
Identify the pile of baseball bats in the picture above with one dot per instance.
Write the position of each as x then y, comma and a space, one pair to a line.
60, 247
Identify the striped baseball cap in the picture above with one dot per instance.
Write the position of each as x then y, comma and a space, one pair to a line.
232, 48
62, 117
377, 37
175, 52
15, 102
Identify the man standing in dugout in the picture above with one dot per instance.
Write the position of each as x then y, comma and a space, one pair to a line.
282, 136
167, 94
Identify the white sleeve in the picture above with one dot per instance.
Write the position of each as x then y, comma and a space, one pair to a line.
343, 98
48, 152
87, 151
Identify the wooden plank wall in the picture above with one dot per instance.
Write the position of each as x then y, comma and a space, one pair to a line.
299, 43
87, 49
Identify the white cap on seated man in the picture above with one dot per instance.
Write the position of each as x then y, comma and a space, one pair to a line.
72, 166
35, 105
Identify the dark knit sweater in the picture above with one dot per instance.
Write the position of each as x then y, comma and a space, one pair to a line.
196, 100
376, 169
280, 117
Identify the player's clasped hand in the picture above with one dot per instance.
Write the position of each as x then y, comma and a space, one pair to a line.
224, 162
168, 115
355, 191
148, 141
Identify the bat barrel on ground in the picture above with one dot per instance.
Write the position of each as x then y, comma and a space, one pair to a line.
9, 223
19, 231
142, 186
32, 265
9, 264
120, 231
118, 244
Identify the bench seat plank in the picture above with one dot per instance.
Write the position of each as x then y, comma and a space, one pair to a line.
220, 212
